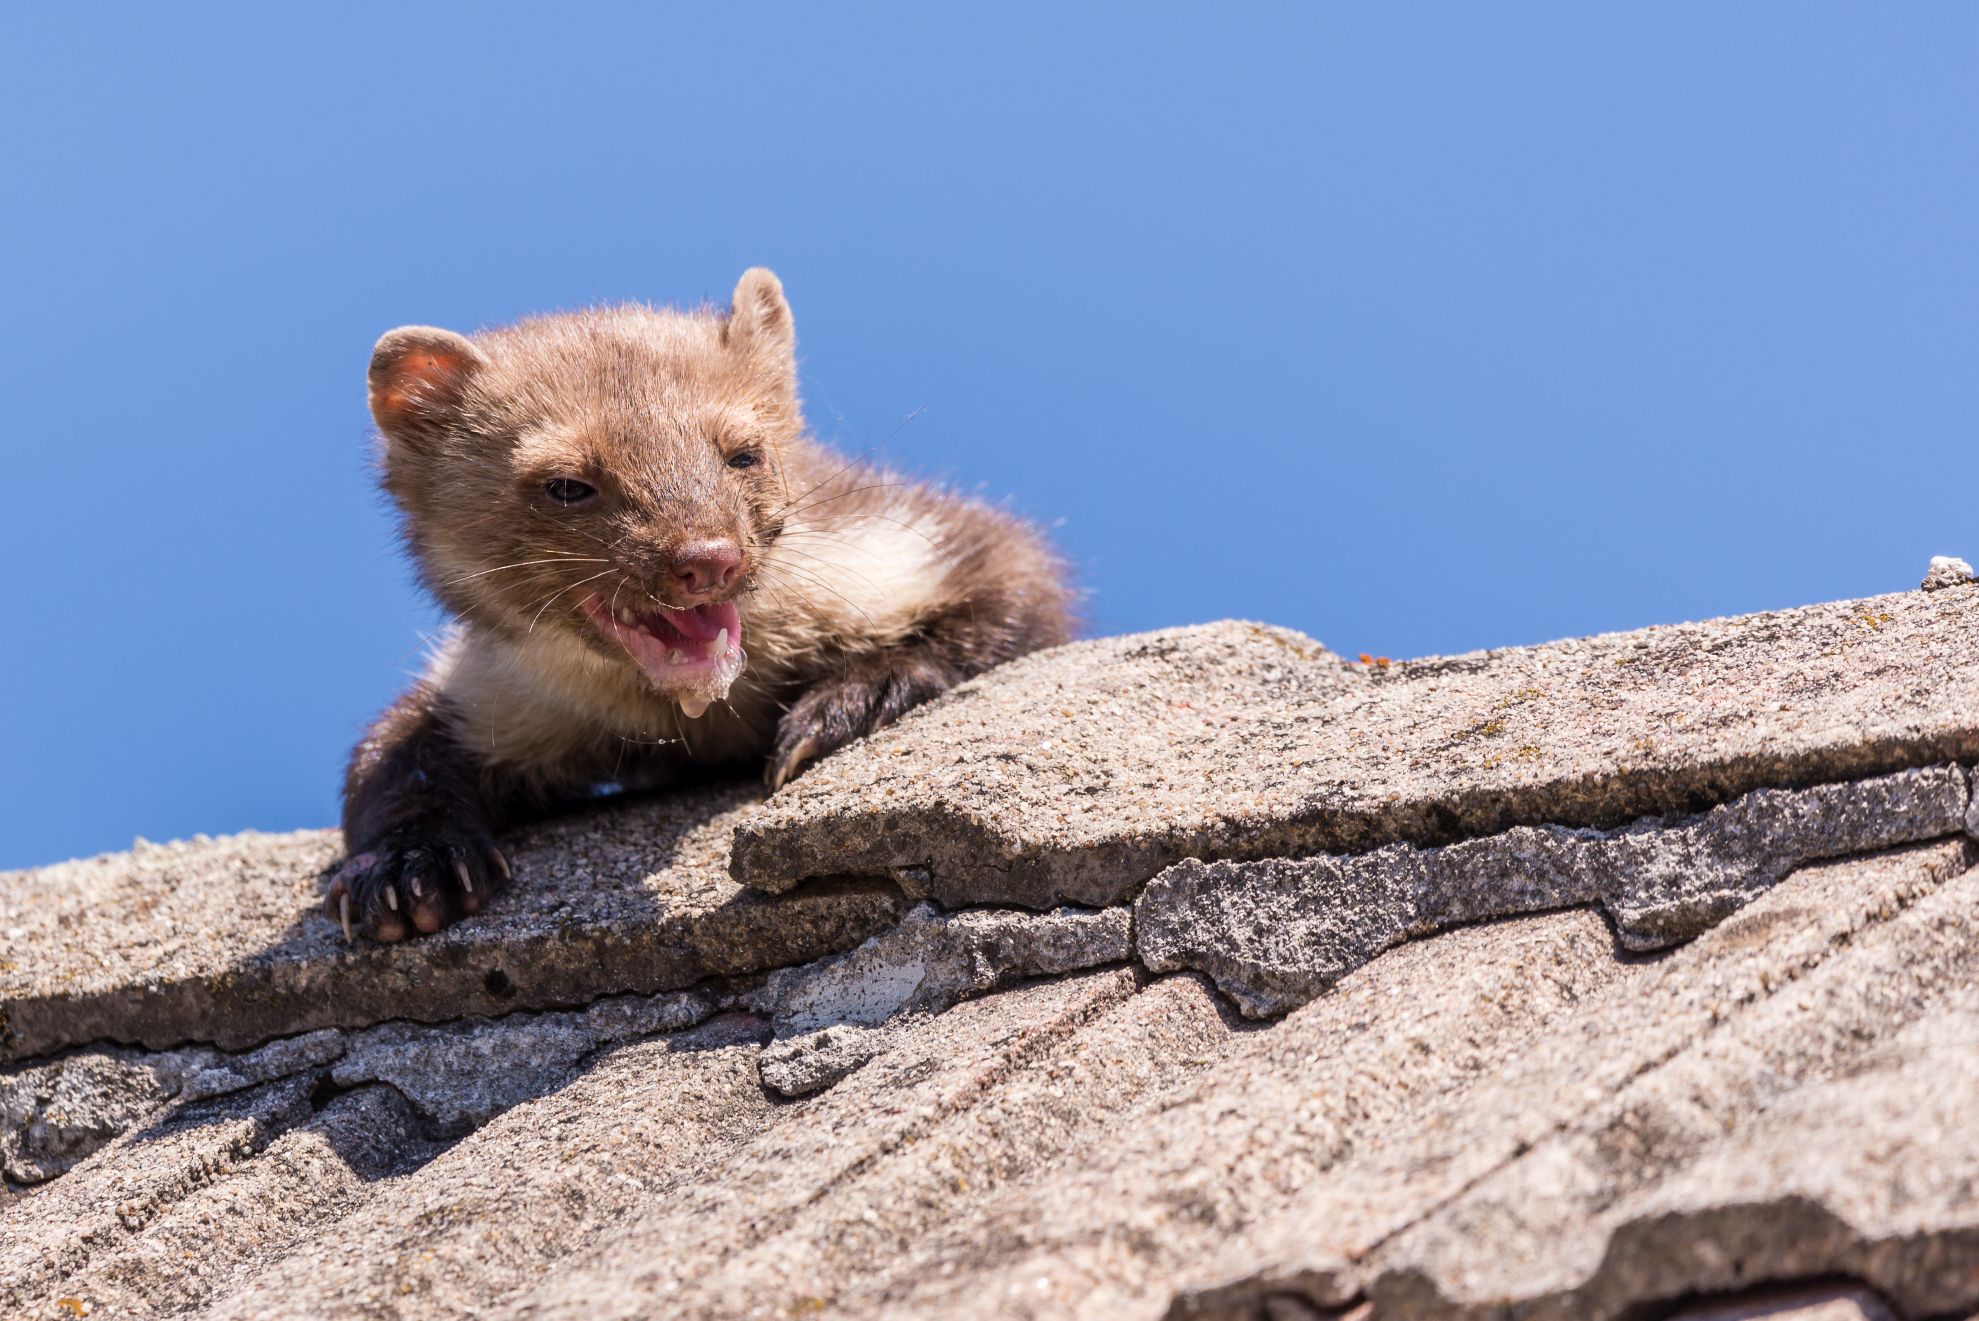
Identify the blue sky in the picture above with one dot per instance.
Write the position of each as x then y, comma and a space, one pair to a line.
1420, 328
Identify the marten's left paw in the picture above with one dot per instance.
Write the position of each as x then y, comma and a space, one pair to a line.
871, 693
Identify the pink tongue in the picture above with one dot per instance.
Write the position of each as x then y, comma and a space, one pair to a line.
704, 623
699, 670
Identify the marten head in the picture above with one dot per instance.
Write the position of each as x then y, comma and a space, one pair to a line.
614, 475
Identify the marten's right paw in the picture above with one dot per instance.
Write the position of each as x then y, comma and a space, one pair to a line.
415, 880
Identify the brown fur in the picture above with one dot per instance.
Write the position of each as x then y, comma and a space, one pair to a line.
863, 593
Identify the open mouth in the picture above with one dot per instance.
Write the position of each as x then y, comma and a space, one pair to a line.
691, 655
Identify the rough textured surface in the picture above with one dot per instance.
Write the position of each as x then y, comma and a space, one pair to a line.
1508, 1114
836, 1014
1275, 934
1511, 1118
1076, 774
54, 1113
462, 1074
1946, 571
485, 1221
1819, 1303
1611, 1163
454, 1076
281, 1211
220, 941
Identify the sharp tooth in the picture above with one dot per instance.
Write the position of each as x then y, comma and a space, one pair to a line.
624, 615
673, 657
721, 645
728, 665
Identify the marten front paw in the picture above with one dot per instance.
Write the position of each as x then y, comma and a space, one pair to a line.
415, 880
869, 695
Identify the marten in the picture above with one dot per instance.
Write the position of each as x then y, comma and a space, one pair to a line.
653, 569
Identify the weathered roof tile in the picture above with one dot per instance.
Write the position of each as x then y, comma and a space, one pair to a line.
1077, 774
1518, 1115
221, 940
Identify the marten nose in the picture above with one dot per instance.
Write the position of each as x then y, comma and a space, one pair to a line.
706, 568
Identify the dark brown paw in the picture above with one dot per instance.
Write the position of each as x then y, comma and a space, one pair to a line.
414, 882
870, 694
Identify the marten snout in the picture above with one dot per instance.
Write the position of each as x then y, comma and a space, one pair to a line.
703, 571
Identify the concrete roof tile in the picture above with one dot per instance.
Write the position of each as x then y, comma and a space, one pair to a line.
1479, 1097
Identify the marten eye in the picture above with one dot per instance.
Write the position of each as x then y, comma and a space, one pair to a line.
569, 491
744, 459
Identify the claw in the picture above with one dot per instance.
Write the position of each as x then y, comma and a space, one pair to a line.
501, 860
460, 870
806, 749
343, 907
392, 898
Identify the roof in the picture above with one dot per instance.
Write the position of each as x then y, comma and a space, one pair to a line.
1199, 973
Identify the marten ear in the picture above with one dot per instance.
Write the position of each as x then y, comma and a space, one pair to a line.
417, 375
760, 326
